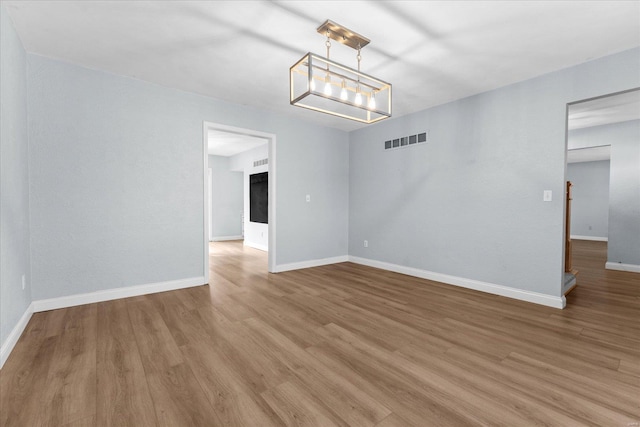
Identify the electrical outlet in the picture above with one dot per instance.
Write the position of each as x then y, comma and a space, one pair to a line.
24, 282
308, 198
366, 243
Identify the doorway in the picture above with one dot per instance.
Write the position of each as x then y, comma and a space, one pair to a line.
603, 164
251, 139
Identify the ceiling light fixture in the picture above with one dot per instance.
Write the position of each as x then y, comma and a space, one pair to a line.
360, 97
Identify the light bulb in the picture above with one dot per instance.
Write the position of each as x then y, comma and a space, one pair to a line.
313, 84
343, 92
372, 101
358, 100
327, 86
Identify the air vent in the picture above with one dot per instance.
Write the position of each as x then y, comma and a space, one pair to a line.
260, 162
405, 141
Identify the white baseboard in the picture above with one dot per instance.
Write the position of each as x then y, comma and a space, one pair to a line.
633, 268
312, 263
226, 238
505, 291
111, 294
594, 238
257, 246
14, 336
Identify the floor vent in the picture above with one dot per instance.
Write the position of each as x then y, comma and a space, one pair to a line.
260, 162
405, 141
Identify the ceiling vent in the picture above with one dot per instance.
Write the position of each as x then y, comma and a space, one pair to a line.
405, 141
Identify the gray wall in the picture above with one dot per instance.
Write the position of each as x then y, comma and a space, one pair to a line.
590, 198
624, 186
469, 202
117, 180
228, 202
14, 180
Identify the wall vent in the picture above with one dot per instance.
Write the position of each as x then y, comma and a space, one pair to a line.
405, 141
260, 162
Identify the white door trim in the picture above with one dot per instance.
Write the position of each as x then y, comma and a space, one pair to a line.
210, 198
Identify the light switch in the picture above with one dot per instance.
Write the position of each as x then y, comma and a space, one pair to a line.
546, 196
308, 197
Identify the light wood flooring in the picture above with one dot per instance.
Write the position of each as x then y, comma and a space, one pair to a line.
340, 345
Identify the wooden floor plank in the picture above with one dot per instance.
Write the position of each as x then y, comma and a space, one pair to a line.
630, 368
478, 399
157, 347
336, 345
70, 390
85, 422
548, 399
179, 400
123, 393
23, 381
393, 420
234, 401
402, 397
600, 387
298, 409
349, 402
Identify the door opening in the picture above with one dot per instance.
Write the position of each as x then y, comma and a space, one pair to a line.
237, 150
602, 152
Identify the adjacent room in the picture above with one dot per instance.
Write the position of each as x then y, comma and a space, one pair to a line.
238, 208
318, 213
602, 199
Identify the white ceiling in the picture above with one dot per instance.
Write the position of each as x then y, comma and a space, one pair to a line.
431, 51
222, 143
609, 109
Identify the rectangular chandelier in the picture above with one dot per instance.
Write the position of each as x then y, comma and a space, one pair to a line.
323, 85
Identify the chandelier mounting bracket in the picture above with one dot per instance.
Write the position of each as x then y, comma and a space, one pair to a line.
343, 35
